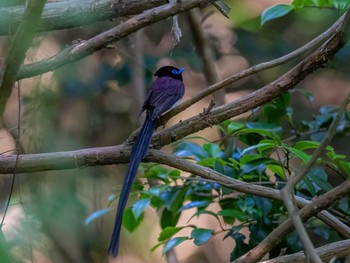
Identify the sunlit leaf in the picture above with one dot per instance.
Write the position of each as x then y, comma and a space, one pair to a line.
96, 215
275, 12
140, 206
188, 149
200, 203
129, 221
168, 232
172, 243
201, 235
303, 156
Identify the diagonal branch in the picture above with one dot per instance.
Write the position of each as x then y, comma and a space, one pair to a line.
85, 48
18, 49
320, 58
338, 26
68, 14
276, 236
337, 249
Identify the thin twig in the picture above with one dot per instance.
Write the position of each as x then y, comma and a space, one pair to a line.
205, 53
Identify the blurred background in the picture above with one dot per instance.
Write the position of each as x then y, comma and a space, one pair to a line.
95, 102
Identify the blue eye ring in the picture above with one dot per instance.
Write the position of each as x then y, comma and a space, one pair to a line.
177, 72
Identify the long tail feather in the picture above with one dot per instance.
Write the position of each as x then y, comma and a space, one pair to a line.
137, 153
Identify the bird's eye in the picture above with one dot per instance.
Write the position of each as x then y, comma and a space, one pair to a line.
177, 72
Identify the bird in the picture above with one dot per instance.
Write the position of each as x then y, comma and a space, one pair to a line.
165, 93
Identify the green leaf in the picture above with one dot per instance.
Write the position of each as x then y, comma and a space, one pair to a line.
168, 232
303, 145
207, 162
329, 109
224, 169
174, 174
233, 213
129, 221
204, 212
157, 246
310, 186
319, 177
303, 156
172, 243
96, 215
187, 149
298, 3
201, 235
234, 126
341, 5
5, 251
266, 144
276, 169
335, 156
345, 166
140, 206
265, 133
168, 219
212, 149
275, 12
255, 160
199, 203
240, 248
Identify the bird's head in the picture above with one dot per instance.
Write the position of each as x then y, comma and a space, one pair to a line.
169, 71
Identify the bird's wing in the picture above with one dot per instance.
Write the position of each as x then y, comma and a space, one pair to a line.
165, 93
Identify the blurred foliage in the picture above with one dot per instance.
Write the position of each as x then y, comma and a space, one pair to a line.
247, 152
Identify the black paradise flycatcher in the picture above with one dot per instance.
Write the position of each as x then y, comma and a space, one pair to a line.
166, 91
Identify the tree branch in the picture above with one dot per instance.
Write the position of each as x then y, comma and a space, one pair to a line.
18, 49
320, 58
337, 27
85, 48
327, 252
79, 159
276, 236
120, 154
68, 14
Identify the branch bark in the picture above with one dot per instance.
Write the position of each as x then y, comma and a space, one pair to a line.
118, 154
85, 48
327, 252
68, 14
319, 59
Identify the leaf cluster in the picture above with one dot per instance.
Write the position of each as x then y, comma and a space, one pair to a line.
266, 149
